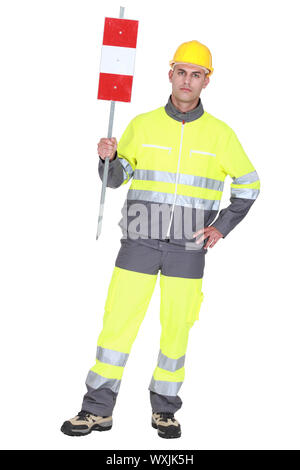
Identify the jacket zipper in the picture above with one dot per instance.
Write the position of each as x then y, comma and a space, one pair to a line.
177, 177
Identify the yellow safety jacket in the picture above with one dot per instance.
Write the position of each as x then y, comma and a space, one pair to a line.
180, 160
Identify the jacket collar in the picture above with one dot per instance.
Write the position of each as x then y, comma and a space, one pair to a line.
179, 116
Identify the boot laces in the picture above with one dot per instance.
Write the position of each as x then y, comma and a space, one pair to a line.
165, 416
84, 415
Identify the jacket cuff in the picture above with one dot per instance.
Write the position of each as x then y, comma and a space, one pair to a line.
232, 215
103, 159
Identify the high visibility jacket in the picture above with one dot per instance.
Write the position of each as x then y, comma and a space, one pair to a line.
181, 160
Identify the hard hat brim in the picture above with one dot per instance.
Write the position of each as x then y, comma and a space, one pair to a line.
173, 63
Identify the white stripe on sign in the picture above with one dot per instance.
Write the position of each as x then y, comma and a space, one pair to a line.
117, 60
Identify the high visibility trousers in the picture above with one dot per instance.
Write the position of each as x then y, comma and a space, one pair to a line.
129, 294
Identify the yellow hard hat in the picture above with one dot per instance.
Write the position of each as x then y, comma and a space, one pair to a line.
193, 52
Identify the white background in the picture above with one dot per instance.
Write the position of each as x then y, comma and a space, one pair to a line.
242, 382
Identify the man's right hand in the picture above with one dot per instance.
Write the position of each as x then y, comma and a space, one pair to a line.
107, 148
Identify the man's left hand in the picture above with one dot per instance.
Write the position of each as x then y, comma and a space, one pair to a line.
211, 233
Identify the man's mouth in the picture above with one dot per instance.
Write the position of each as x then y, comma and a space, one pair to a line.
185, 89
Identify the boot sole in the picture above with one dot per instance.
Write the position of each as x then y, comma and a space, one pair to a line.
165, 435
71, 432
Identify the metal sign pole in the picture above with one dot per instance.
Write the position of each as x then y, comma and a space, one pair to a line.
106, 161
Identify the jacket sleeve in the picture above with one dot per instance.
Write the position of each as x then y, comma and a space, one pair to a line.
244, 188
122, 167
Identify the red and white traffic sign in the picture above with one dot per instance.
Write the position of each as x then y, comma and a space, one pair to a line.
117, 59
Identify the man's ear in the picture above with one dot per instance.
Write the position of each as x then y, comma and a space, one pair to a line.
206, 82
171, 72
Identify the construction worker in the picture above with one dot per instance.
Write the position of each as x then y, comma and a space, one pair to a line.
177, 158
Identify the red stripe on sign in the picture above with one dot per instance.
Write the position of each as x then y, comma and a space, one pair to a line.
119, 32
115, 87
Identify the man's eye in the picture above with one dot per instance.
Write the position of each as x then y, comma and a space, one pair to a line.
180, 73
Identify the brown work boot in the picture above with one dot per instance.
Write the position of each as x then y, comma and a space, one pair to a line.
167, 426
84, 423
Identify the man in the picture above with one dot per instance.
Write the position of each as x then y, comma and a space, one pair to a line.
178, 157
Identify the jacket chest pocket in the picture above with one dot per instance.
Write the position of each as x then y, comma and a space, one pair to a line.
152, 155
200, 160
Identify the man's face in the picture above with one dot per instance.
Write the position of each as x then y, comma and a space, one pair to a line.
187, 82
